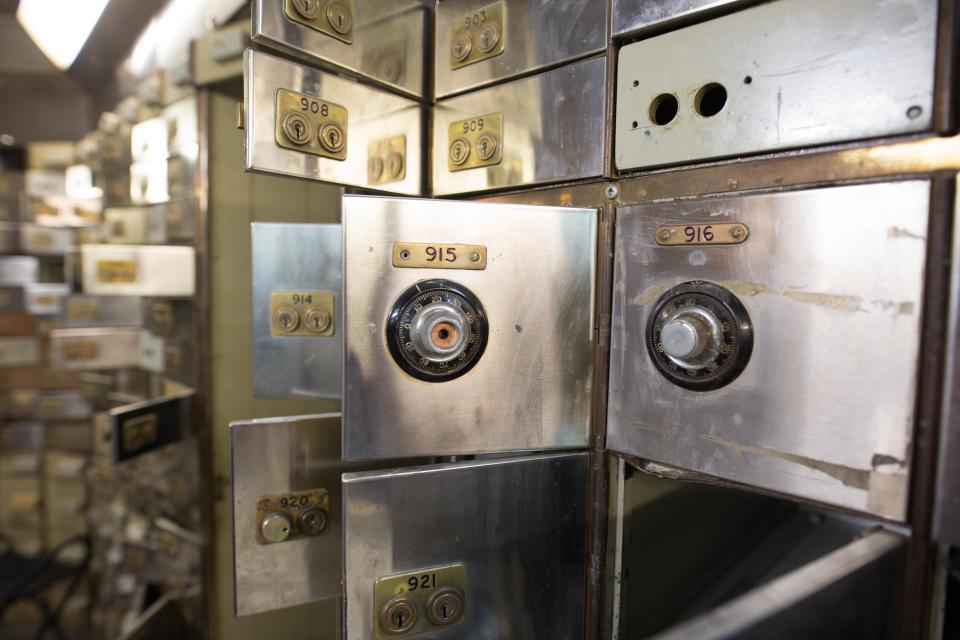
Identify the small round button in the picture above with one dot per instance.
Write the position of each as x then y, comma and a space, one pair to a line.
275, 527
398, 616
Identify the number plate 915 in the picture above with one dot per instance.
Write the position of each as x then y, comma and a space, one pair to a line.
440, 255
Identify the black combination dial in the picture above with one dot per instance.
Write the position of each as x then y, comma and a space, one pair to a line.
437, 330
699, 336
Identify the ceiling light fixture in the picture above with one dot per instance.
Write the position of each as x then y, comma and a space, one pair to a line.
59, 27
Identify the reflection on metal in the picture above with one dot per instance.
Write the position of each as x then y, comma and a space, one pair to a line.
277, 456
531, 387
634, 16
841, 595
552, 130
302, 364
946, 522
374, 115
524, 551
836, 334
774, 87
528, 35
388, 37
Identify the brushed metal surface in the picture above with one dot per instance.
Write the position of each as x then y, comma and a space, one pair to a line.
632, 17
291, 257
819, 72
946, 518
552, 129
518, 524
390, 41
19, 269
832, 280
840, 595
531, 388
275, 456
85, 312
538, 34
373, 114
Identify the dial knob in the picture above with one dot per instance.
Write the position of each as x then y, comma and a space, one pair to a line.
437, 330
699, 336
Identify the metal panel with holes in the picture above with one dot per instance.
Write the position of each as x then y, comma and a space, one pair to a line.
779, 75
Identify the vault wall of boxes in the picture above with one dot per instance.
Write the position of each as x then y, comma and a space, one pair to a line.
98, 363
677, 342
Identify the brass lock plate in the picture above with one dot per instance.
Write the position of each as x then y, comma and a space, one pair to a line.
161, 315
475, 142
425, 255
82, 309
302, 313
310, 125
330, 17
81, 350
387, 160
138, 432
478, 35
303, 514
415, 602
116, 271
700, 234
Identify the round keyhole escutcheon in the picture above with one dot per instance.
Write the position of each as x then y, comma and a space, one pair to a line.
331, 137
313, 521
699, 336
489, 37
459, 151
286, 319
398, 615
445, 606
309, 9
460, 48
487, 145
339, 17
318, 320
297, 128
436, 330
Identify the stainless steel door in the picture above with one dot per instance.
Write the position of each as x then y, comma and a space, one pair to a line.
773, 339
468, 327
506, 539
297, 310
782, 74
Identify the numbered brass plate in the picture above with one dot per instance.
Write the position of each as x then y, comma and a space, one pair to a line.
426, 255
478, 35
387, 160
475, 142
302, 313
49, 407
81, 349
331, 17
83, 310
161, 315
117, 271
700, 234
416, 588
300, 509
139, 432
310, 125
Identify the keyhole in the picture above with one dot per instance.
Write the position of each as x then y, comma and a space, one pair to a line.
399, 621
444, 334
339, 21
299, 129
443, 612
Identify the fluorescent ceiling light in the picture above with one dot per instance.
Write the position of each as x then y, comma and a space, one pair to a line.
59, 27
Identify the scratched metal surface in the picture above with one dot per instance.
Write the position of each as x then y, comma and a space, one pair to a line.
832, 280
820, 72
518, 524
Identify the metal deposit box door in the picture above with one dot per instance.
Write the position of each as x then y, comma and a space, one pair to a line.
773, 339
277, 464
297, 310
483, 549
468, 327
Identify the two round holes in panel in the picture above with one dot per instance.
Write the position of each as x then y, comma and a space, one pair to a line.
708, 102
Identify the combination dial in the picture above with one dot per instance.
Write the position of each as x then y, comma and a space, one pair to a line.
437, 330
699, 336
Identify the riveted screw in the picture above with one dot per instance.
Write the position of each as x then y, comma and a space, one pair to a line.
612, 191
736, 233
663, 235
475, 256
